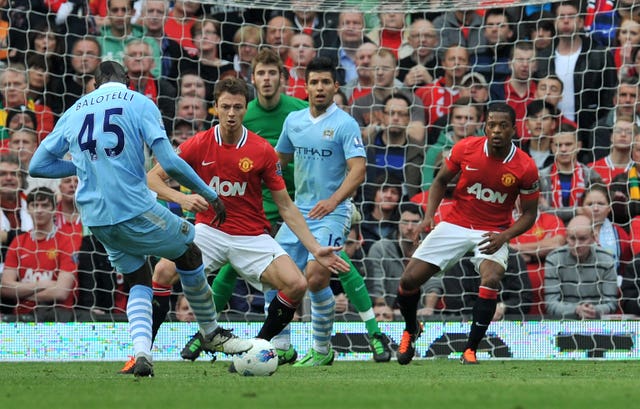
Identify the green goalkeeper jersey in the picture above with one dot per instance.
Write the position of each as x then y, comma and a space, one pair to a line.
268, 124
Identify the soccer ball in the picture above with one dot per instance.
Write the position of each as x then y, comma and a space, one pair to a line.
260, 360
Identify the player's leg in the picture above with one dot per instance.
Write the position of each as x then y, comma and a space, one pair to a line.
139, 315
164, 277
284, 275
323, 307
137, 276
358, 295
200, 297
491, 273
415, 274
223, 286
444, 244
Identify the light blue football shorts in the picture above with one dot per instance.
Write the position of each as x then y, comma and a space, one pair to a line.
156, 232
331, 230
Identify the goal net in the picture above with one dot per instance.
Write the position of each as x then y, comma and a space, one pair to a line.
56, 43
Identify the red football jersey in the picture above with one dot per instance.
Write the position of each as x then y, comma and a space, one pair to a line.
236, 172
485, 194
41, 260
606, 169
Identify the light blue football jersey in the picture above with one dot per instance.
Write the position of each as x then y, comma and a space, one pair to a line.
321, 147
105, 132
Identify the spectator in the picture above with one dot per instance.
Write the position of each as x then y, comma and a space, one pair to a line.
67, 218
585, 68
17, 118
23, 143
383, 313
367, 110
120, 30
628, 38
41, 82
179, 21
381, 213
458, 28
363, 83
580, 277
278, 33
15, 218
596, 206
138, 62
619, 158
492, 57
624, 189
48, 43
84, 60
607, 19
543, 121
563, 183
342, 49
306, 19
464, 120
182, 130
390, 33
478, 90
387, 257
166, 50
184, 313
550, 89
455, 292
392, 152
627, 103
14, 86
541, 31
301, 52
438, 96
419, 67
630, 288
40, 284
247, 40
192, 85
519, 88
547, 234
192, 109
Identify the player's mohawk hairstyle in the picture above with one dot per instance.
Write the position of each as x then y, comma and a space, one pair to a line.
110, 71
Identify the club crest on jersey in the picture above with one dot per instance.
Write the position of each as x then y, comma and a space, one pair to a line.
245, 164
508, 179
52, 254
328, 133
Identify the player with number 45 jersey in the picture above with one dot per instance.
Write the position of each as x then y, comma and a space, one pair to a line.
105, 133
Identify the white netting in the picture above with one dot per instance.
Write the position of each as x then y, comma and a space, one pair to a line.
28, 23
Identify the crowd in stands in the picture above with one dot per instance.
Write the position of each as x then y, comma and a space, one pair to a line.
415, 82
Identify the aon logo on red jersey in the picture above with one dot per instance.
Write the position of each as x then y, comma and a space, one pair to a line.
485, 194
226, 188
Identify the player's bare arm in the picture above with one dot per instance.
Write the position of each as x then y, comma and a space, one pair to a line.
356, 168
291, 215
285, 159
156, 179
494, 240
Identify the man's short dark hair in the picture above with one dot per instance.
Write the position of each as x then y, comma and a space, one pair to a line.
502, 107
109, 71
411, 208
233, 86
321, 64
42, 194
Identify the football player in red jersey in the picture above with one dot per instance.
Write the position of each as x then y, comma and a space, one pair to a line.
236, 162
493, 172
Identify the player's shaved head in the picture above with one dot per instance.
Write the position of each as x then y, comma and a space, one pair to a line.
110, 71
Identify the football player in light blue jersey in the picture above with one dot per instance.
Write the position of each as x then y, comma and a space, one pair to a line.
329, 159
105, 132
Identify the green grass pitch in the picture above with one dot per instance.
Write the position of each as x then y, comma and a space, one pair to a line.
440, 383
